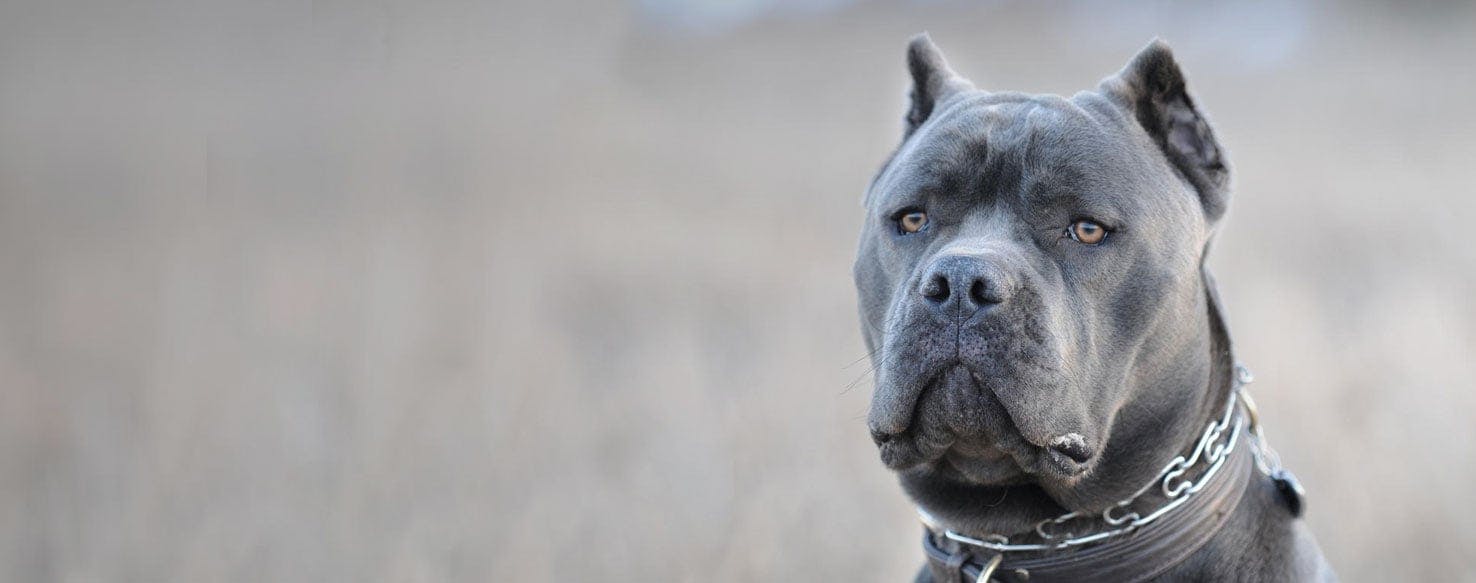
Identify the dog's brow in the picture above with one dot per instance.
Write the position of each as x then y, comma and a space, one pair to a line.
1046, 193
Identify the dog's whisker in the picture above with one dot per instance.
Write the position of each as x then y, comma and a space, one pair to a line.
871, 371
864, 357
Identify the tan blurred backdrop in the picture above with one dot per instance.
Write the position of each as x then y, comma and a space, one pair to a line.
374, 291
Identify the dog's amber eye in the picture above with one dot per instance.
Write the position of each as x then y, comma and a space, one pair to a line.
912, 222
1087, 231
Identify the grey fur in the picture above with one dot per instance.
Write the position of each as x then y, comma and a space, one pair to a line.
1021, 373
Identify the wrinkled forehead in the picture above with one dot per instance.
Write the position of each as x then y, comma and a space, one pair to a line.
1016, 145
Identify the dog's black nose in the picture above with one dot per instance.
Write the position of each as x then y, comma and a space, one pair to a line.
961, 284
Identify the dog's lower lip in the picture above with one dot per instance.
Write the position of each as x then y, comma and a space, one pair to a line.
1073, 446
897, 455
993, 472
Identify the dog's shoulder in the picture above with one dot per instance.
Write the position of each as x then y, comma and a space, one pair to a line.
1262, 541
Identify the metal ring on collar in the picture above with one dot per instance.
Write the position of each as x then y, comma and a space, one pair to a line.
988, 570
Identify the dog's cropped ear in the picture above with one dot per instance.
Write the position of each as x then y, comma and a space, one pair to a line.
932, 81
1152, 88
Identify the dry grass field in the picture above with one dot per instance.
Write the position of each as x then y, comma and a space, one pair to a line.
457, 291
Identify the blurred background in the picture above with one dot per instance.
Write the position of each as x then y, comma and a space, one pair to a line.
428, 291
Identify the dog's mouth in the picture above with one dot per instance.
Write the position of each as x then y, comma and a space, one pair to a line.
991, 466
960, 429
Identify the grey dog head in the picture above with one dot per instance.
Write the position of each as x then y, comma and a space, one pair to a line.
1031, 287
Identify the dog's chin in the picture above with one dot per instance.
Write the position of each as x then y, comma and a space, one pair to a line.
988, 470
991, 492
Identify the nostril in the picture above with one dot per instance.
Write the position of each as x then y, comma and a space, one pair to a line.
980, 293
936, 289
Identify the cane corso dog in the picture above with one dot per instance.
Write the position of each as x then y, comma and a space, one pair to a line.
1044, 334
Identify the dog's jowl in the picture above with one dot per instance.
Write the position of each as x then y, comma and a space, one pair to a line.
1054, 382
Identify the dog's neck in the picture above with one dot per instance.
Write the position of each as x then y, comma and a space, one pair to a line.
1162, 544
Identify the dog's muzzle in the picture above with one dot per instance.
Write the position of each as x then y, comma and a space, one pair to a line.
968, 376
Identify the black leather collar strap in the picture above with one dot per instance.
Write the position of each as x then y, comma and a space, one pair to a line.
1136, 556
